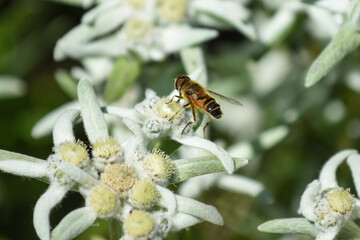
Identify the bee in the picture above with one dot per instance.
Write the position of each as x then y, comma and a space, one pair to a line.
200, 98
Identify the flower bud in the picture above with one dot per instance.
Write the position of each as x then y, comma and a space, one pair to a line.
137, 28
144, 193
159, 164
172, 10
103, 200
139, 224
74, 153
106, 151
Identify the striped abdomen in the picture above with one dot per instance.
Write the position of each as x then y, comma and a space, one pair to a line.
212, 107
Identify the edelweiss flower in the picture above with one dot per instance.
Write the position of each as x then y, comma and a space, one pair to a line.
328, 207
124, 181
150, 29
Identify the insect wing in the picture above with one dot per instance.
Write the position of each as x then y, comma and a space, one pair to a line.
226, 99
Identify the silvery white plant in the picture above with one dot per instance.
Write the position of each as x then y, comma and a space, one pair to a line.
346, 40
121, 182
328, 209
150, 30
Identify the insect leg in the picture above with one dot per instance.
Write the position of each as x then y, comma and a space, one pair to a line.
179, 97
207, 124
194, 116
185, 106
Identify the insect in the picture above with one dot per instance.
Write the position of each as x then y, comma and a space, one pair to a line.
200, 98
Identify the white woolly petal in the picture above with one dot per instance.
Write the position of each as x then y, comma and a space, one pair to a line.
78, 175
74, 223
93, 118
193, 59
196, 74
175, 38
229, 11
24, 168
275, 27
327, 176
307, 201
198, 142
53, 195
354, 163
45, 125
93, 13
167, 199
110, 47
137, 130
240, 184
198, 209
195, 186
79, 34
99, 68
130, 145
183, 220
123, 113
63, 128
106, 17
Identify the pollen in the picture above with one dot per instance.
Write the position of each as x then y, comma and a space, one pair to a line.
136, 3
169, 109
74, 153
340, 200
137, 28
103, 200
159, 164
144, 193
172, 10
106, 148
119, 177
139, 224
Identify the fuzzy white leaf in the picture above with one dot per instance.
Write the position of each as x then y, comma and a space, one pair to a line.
63, 128
174, 38
124, 113
289, 225
74, 223
231, 12
167, 199
354, 163
195, 208
24, 168
193, 58
327, 176
198, 142
244, 185
78, 175
53, 195
45, 125
93, 118
307, 202
183, 220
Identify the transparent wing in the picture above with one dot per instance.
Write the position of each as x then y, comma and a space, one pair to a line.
226, 99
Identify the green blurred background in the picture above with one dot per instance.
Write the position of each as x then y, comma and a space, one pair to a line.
28, 33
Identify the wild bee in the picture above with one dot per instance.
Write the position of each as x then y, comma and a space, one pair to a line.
199, 97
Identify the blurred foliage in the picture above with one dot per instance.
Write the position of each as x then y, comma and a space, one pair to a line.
29, 30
